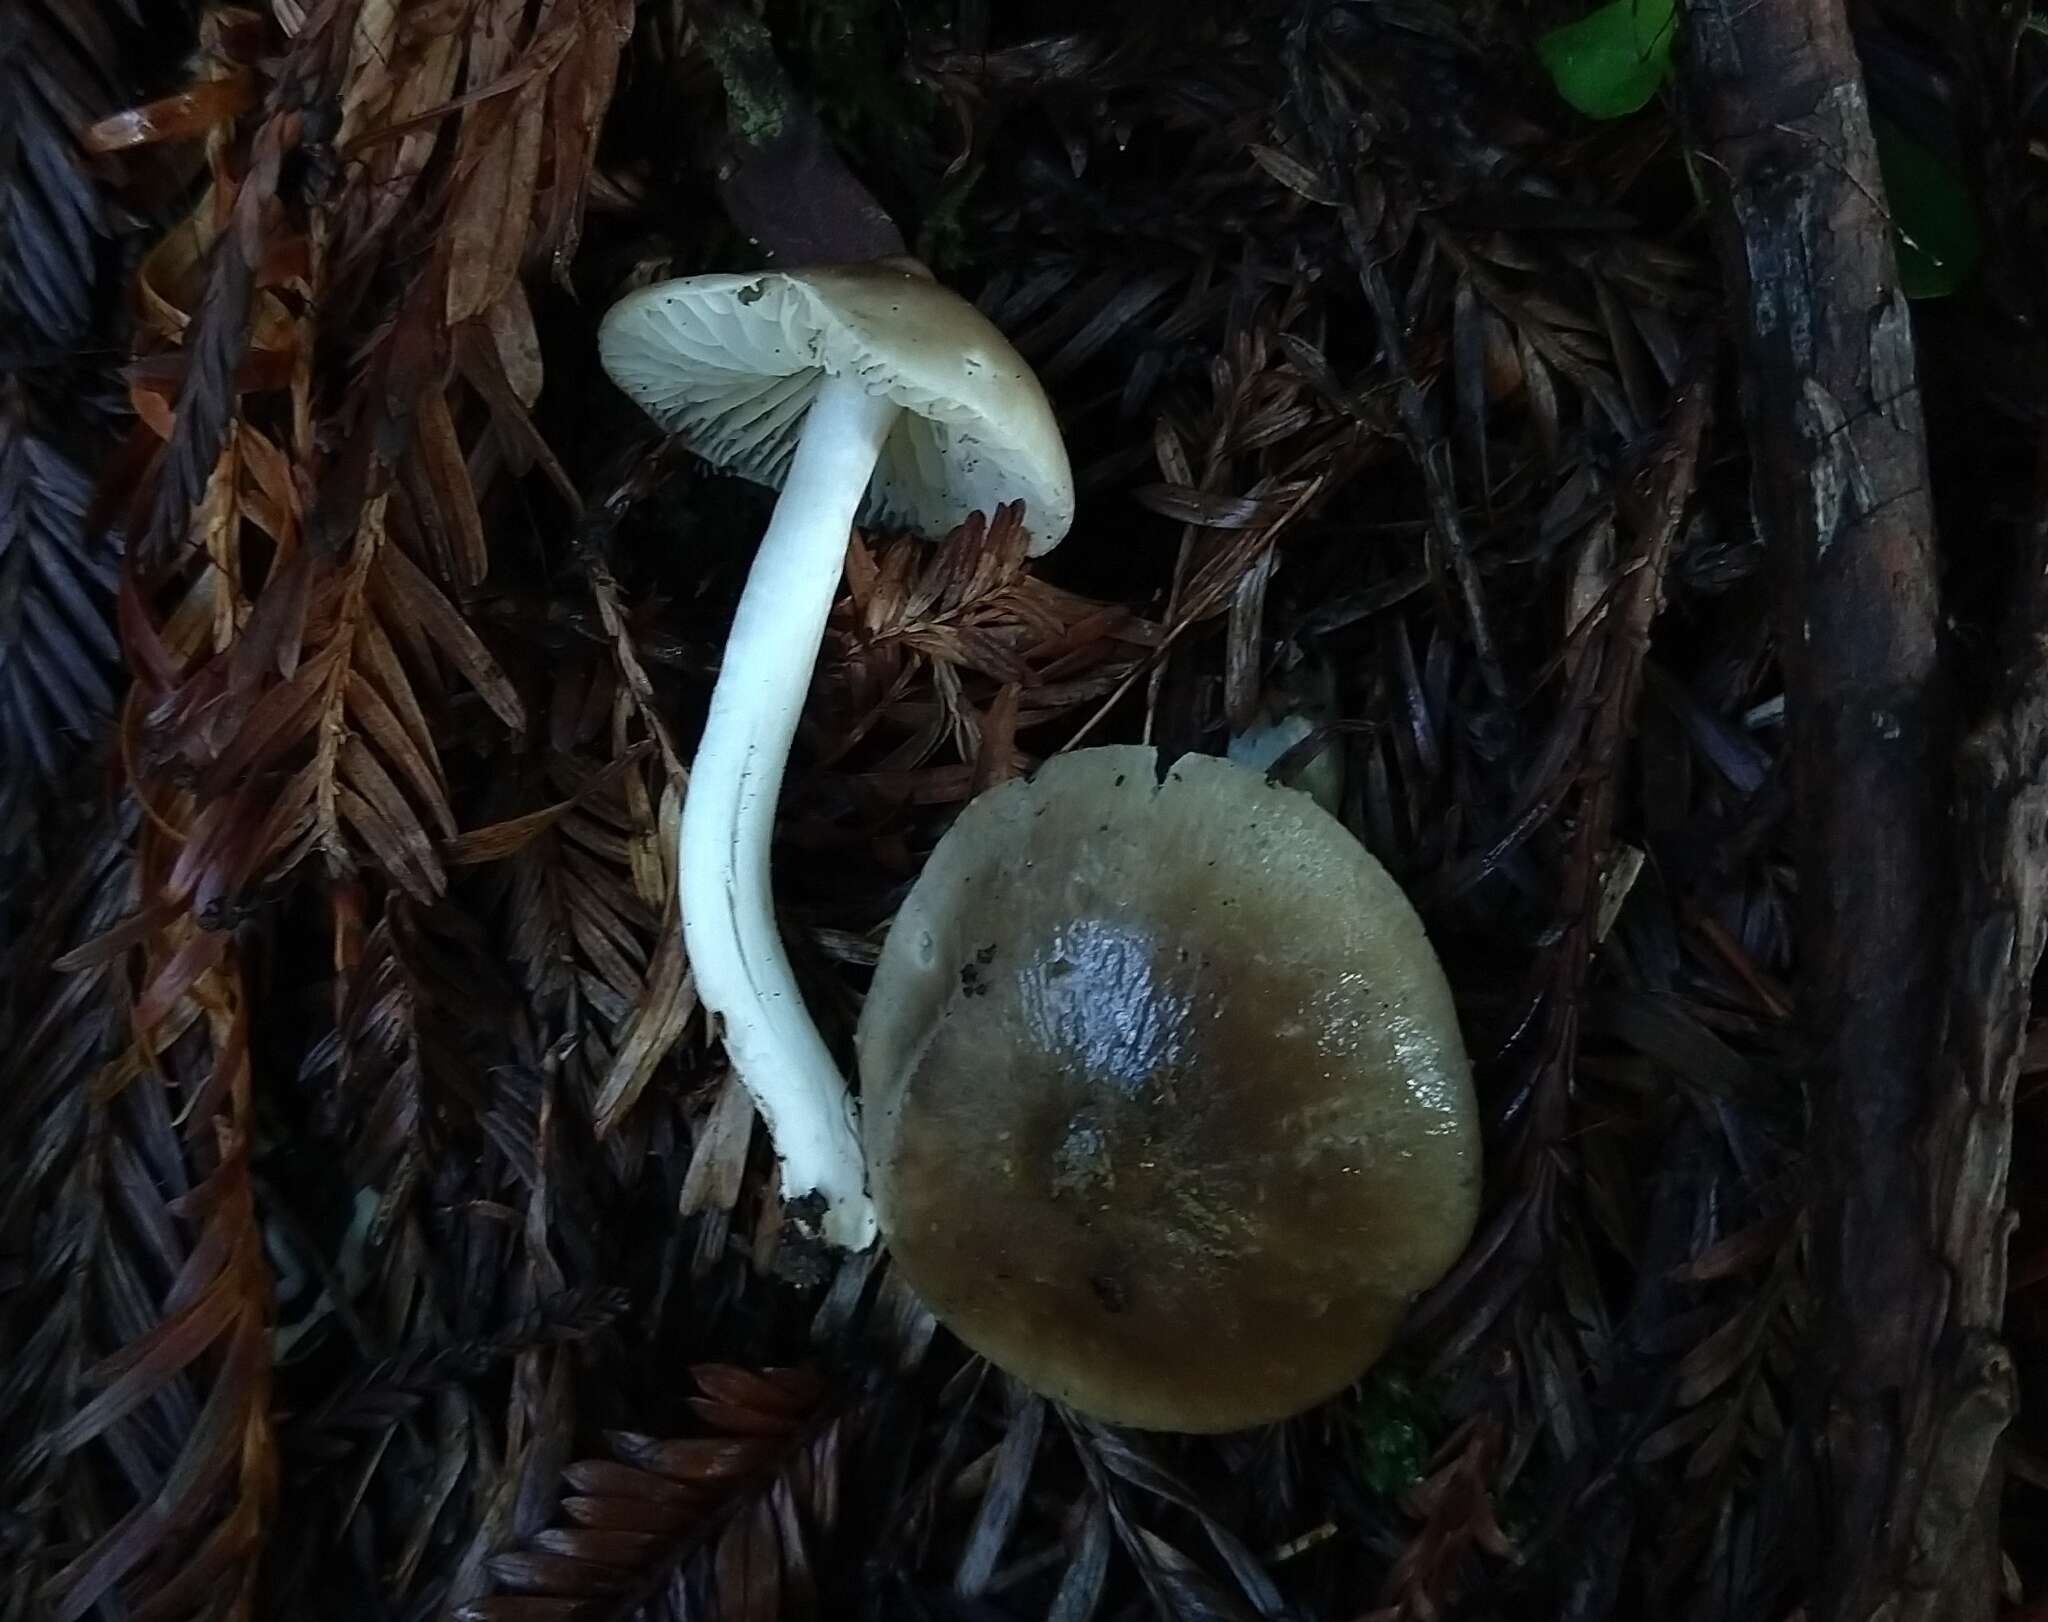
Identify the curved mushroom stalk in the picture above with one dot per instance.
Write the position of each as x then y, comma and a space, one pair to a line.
743, 974
844, 385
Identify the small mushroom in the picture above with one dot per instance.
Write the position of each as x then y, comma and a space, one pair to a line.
1166, 1106
857, 390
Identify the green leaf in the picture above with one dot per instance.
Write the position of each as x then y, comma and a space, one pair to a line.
1934, 221
1393, 1426
1610, 63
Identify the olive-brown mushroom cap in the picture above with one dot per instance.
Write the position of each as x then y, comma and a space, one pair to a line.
1166, 1105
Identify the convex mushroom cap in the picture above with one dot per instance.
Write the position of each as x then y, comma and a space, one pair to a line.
1167, 1111
733, 362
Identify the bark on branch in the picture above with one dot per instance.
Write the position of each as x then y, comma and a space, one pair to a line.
780, 177
1840, 487
1917, 933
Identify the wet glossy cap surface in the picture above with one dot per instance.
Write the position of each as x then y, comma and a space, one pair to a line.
1166, 1107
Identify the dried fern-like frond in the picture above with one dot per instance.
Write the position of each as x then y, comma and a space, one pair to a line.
57, 650
339, 362
1458, 1523
387, 1394
334, 526
164, 1445
338, 756
405, 1078
59, 1029
952, 651
723, 1525
59, 67
588, 888
1732, 1384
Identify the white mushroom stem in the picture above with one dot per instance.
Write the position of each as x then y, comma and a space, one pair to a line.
742, 972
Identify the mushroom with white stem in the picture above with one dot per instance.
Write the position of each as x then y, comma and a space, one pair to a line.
863, 391
1167, 1110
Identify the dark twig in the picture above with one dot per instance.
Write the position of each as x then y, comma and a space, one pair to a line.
1833, 409
1948, 1490
780, 179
